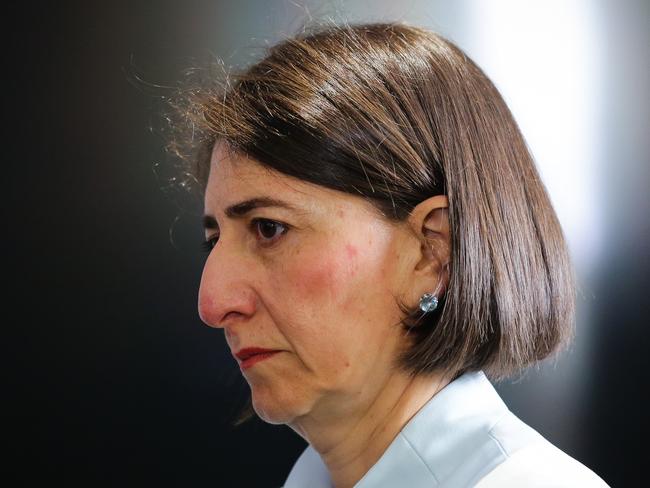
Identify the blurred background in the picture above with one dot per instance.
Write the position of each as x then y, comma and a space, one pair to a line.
112, 380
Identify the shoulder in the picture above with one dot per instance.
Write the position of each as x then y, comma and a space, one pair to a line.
468, 437
540, 465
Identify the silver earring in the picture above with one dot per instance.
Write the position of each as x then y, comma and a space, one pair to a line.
428, 302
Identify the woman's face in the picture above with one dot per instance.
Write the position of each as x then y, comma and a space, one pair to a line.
316, 282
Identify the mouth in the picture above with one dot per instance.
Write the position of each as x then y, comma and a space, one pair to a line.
252, 355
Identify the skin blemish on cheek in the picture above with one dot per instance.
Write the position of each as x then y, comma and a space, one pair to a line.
351, 250
352, 254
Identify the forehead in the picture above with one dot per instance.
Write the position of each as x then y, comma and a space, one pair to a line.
234, 177
232, 172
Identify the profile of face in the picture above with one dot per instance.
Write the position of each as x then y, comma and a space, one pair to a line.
316, 280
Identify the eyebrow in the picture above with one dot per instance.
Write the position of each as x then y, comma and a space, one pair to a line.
239, 210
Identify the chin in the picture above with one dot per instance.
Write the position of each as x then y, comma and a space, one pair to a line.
273, 408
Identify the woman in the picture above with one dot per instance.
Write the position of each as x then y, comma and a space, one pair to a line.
380, 244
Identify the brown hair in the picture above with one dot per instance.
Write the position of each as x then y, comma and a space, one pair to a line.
397, 114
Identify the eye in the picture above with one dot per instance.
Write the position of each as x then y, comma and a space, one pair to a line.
209, 243
268, 230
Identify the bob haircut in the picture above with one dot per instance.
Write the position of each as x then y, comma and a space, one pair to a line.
396, 114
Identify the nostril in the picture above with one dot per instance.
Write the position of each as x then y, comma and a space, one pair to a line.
228, 315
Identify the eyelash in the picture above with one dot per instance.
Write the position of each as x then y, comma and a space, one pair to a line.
209, 244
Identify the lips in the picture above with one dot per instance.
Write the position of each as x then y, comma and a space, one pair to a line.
247, 352
252, 355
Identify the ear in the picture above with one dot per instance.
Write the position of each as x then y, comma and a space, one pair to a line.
429, 220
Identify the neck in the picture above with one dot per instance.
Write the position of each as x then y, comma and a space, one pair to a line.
351, 436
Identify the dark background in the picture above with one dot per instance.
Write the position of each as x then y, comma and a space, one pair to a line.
111, 378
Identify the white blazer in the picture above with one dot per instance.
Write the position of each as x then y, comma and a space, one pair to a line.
465, 436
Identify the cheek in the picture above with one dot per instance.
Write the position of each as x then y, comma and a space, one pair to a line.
327, 279
331, 308
329, 295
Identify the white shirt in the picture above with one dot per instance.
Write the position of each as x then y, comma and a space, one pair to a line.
465, 436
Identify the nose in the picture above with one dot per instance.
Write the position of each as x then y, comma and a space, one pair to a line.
225, 293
